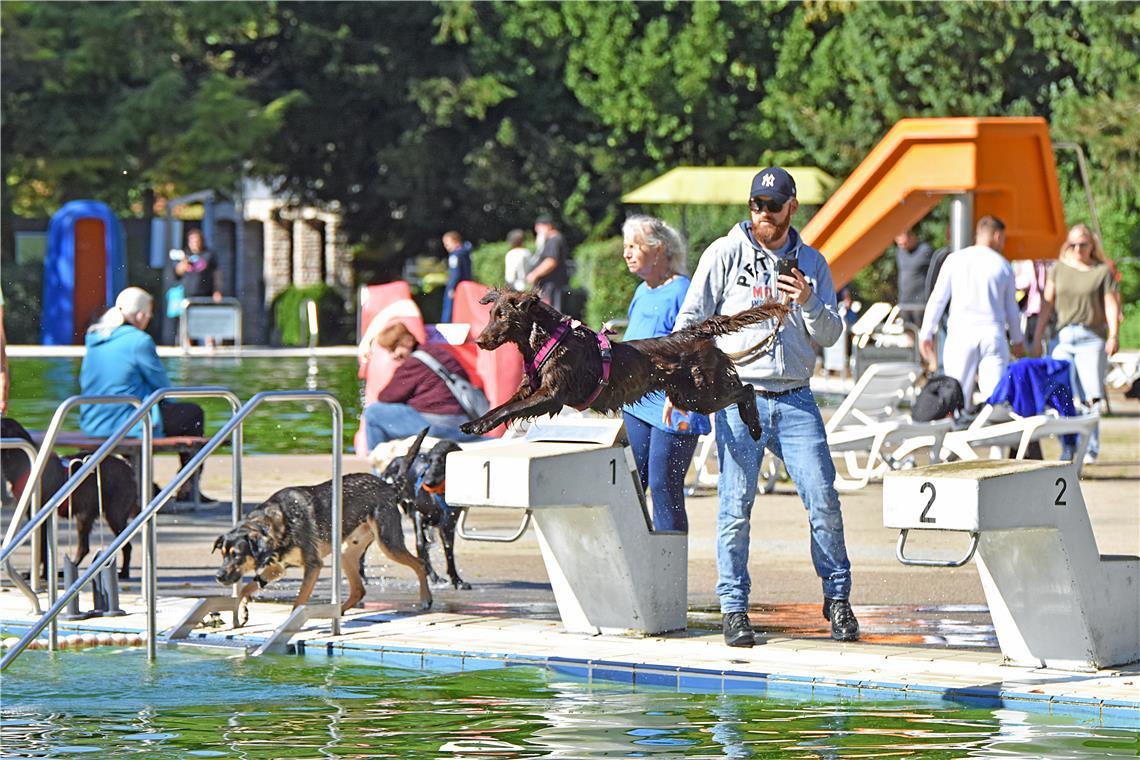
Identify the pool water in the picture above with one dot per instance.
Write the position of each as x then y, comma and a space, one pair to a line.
40, 384
204, 703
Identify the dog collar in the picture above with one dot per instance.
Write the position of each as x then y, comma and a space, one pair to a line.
606, 350
534, 366
261, 582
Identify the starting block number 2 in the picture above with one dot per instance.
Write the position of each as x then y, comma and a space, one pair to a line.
1061, 483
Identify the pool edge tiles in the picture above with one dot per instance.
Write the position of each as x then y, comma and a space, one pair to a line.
690, 663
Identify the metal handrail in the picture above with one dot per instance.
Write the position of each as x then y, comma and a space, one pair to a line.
33, 486
140, 415
146, 516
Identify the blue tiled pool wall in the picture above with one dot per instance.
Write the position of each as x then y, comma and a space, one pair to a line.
1109, 712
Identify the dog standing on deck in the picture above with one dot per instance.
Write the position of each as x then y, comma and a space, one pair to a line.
113, 483
293, 528
568, 363
424, 500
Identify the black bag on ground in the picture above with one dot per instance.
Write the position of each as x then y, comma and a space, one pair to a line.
939, 398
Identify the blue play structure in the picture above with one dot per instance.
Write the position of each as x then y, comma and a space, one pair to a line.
85, 267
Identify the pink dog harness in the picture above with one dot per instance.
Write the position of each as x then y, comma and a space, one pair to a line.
535, 366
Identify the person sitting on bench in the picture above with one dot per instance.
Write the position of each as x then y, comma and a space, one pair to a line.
121, 358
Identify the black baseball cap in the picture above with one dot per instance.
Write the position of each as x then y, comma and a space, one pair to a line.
774, 183
544, 219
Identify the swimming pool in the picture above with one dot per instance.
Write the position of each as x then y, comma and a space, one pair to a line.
40, 384
194, 702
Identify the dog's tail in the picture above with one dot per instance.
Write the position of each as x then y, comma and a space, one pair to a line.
723, 324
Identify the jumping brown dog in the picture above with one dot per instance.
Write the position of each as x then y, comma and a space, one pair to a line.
293, 528
695, 374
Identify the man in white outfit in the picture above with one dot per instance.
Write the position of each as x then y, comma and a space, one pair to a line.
979, 284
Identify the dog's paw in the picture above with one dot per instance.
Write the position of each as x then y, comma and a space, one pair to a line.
471, 428
462, 585
243, 613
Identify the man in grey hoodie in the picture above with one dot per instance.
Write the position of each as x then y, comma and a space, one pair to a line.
736, 272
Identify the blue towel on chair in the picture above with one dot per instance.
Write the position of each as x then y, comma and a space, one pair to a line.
1030, 385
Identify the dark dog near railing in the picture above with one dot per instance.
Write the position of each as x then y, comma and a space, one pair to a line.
115, 478
569, 364
293, 528
425, 503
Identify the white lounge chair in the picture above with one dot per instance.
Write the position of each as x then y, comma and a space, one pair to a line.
869, 424
996, 430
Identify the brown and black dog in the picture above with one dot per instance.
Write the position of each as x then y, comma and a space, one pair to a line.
116, 480
293, 528
425, 503
695, 374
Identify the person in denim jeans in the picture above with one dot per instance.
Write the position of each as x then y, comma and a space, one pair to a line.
1083, 291
736, 272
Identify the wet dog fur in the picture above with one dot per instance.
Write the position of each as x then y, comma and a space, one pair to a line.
687, 365
116, 479
427, 506
293, 528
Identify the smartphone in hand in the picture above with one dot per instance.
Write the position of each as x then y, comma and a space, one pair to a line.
786, 265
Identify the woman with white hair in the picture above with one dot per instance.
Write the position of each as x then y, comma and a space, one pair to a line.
662, 443
121, 358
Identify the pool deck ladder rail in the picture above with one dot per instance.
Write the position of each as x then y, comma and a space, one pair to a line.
145, 520
1055, 601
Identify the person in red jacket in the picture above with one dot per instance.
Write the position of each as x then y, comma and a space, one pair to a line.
416, 397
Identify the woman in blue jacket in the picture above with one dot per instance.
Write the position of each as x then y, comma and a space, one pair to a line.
662, 447
121, 358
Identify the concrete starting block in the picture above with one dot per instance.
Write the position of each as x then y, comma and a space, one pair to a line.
1055, 600
611, 572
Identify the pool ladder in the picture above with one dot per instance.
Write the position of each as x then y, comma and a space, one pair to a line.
145, 520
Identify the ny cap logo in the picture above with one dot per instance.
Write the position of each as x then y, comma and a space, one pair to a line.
768, 180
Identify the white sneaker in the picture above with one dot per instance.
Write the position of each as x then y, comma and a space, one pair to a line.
1090, 458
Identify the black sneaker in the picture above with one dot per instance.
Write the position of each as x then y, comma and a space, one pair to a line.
844, 626
737, 630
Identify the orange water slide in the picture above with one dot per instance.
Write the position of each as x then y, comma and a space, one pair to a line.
1006, 162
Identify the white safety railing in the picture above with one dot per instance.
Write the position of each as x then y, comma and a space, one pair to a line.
146, 467
145, 519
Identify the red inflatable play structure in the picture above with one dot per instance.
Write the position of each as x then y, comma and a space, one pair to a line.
497, 372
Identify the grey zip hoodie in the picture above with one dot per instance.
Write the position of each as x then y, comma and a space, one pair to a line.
735, 274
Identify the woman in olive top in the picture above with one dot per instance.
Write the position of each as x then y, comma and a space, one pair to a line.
1083, 291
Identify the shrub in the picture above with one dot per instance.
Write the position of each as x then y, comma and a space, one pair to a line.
601, 272
487, 263
335, 324
1130, 329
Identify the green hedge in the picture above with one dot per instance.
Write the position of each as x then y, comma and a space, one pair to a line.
487, 263
602, 274
1130, 329
335, 326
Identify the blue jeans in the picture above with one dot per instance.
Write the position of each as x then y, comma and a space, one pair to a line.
1084, 350
662, 460
390, 422
793, 431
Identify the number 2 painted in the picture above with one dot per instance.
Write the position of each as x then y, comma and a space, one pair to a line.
922, 517
1059, 501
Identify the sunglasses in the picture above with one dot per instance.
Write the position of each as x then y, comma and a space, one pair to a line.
769, 205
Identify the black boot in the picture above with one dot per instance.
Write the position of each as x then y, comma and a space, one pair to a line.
737, 630
844, 626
